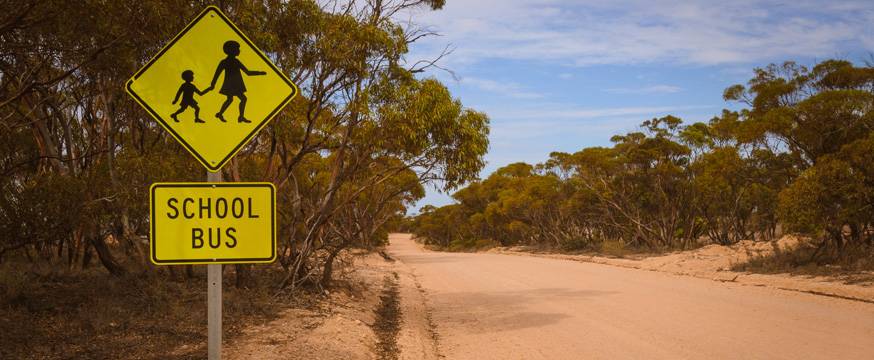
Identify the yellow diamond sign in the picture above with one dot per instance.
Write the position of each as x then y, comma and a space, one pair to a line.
211, 88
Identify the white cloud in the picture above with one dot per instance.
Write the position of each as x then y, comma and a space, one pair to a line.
509, 89
556, 111
565, 76
653, 89
523, 132
580, 33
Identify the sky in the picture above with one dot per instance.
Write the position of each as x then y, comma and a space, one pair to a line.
565, 75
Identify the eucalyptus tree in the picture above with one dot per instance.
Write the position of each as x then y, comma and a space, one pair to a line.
76, 150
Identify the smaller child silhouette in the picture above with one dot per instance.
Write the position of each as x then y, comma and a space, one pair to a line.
187, 90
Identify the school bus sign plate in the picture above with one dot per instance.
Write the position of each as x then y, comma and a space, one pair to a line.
211, 88
215, 223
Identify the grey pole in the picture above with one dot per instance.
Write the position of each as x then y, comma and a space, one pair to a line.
214, 297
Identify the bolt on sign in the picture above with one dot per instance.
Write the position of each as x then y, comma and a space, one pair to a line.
217, 223
211, 88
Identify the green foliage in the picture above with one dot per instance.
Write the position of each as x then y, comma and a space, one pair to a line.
77, 155
832, 196
800, 155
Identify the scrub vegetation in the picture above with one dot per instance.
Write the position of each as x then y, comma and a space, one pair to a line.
347, 155
796, 158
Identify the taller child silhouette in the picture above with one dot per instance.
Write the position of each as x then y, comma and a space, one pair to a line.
233, 81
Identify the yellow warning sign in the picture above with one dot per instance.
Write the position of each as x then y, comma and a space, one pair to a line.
211, 88
219, 223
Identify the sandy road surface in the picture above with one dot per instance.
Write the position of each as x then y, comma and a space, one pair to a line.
493, 306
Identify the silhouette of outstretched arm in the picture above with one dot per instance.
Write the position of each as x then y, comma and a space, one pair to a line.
251, 72
199, 92
179, 92
218, 70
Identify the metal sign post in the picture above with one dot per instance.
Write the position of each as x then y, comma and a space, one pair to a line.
214, 297
214, 321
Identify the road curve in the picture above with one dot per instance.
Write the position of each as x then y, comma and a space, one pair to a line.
491, 306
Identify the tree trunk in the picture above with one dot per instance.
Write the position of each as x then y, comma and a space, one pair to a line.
86, 255
128, 238
105, 256
243, 276
328, 269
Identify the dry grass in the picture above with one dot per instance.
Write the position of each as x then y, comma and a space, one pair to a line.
614, 248
91, 315
388, 319
851, 266
471, 245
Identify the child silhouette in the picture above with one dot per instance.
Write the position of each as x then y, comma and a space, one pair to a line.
187, 90
233, 81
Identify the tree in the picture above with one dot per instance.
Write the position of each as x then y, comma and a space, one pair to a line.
346, 155
798, 156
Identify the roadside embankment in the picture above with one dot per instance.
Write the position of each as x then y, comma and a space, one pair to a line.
715, 262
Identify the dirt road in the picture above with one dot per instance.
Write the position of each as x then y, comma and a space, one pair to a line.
493, 306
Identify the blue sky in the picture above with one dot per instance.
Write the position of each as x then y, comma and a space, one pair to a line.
564, 75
